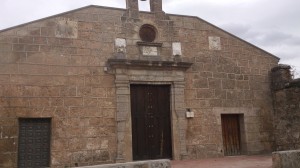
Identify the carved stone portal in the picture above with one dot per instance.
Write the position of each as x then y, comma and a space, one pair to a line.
154, 73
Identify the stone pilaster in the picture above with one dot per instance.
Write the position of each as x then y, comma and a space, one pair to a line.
180, 112
156, 5
132, 7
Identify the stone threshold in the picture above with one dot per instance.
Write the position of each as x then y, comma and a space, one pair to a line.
163, 163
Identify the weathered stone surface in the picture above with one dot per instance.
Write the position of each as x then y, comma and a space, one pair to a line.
138, 164
65, 28
286, 159
55, 68
286, 100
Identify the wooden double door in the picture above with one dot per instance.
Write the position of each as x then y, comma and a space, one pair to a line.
151, 122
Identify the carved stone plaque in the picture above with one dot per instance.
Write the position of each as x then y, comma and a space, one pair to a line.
150, 51
66, 28
176, 46
214, 43
120, 45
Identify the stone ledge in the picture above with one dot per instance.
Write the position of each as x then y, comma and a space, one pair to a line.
164, 163
286, 159
148, 64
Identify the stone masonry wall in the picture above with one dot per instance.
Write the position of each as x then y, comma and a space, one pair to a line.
287, 109
55, 68
229, 78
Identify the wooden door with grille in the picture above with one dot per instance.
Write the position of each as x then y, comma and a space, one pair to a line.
231, 134
34, 143
151, 123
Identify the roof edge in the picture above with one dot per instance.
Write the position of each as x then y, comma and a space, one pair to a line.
59, 14
196, 17
114, 8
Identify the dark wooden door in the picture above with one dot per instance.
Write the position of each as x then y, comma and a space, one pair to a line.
151, 123
34, 143
231, 134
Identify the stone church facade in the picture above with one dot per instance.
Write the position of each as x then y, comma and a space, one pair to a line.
102, 85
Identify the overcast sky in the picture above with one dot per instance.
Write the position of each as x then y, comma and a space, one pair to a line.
273, 25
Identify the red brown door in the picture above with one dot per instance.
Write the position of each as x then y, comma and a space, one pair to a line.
231, 134
151, 124
34, 143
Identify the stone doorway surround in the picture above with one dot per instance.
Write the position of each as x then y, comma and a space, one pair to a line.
153, 73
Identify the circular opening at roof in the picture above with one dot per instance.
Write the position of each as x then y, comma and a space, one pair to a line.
147, 33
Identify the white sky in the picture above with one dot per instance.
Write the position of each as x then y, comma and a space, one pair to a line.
272, 25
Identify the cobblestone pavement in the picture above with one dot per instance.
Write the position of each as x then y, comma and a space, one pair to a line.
227, 162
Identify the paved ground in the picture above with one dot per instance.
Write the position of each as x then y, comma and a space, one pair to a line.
227, 162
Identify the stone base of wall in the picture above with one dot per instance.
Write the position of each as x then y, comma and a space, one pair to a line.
286, 159
140, 164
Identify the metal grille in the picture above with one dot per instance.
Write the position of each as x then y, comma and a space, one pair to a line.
34, 143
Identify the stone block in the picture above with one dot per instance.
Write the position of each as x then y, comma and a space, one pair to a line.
8, 145
73, 101
214, 43
90, 102
228, 84
66, 28
8, 160
60, 144
101, 156
18, 47
214, 83
77, 144
82, 157
138, 164
205, 93
286, 159
56, 101
200, 83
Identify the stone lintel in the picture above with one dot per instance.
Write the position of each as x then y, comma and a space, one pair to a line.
145, 64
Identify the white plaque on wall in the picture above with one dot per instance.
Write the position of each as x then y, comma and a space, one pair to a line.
214, 43
66, 28
150, 51
176, 47
120, 44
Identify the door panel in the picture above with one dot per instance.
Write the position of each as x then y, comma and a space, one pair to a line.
34, 143
231, 134
151, 125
